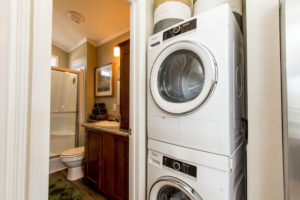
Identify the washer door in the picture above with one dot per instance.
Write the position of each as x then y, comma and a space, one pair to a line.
169, 188
183, 77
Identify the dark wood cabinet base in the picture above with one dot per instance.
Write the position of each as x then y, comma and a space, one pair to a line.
106, 163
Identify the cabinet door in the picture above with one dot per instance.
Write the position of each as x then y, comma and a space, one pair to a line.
92, 162
107, 172
121, 168
124, 84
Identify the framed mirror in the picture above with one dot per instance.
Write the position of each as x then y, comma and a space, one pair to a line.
104, 81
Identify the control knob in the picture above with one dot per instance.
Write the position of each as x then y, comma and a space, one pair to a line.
176, 30
176, 166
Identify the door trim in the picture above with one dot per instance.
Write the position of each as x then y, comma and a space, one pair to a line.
141, 24
14, 97
25, 118
39, 107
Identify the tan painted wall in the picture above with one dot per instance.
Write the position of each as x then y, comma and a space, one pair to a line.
78, 57
105, 55
63, 57
85, 56
265, 163
91, 63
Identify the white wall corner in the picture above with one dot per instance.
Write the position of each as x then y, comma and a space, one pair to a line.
141, 15
265, 162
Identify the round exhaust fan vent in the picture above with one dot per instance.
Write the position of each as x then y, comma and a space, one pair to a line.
75, 17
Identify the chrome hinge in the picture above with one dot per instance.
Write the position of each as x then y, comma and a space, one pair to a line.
230, 164
130, 131
130, 1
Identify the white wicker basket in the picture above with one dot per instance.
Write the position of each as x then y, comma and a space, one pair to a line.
203, 5
170, 12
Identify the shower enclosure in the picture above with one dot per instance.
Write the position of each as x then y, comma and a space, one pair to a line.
64, 111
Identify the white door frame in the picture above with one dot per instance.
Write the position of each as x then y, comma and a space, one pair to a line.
25, 97
141, 24
137, 140
25, 51
39, 109
14, 76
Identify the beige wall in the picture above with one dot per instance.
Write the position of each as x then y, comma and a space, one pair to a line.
91, 63
89, 57
265, 163
78, 57
105, 55
63, 57
85, 56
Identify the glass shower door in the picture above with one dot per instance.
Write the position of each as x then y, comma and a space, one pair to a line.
63, 124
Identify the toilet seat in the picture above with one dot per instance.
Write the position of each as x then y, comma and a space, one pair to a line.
76, 152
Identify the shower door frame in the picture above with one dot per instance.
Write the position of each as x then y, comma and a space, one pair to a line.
60, 69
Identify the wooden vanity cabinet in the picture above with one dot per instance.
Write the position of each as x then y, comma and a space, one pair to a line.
106, 163
92, 160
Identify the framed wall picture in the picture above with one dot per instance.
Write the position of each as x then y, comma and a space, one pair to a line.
104, 80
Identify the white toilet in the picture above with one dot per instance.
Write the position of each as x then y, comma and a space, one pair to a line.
73, 158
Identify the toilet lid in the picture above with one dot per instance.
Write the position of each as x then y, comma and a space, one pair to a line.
74, 152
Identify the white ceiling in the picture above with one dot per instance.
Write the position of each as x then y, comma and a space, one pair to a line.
104, 20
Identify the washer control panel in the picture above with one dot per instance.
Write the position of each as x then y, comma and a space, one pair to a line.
180, 166
182, 28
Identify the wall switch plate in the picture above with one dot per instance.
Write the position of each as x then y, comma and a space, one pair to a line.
115, 107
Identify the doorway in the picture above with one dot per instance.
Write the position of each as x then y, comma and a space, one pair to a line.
84, 33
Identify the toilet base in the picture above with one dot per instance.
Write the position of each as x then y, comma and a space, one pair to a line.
75, 173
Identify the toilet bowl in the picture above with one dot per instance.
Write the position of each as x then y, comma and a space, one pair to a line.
73, 158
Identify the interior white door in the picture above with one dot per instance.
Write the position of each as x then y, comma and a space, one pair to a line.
183, 77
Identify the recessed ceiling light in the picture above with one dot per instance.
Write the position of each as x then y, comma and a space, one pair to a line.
75, 17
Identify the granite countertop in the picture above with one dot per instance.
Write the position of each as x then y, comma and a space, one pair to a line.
105, 127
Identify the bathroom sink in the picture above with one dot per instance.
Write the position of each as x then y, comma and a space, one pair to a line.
108, 124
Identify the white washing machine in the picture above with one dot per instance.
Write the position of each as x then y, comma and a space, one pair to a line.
177, 173
195, 83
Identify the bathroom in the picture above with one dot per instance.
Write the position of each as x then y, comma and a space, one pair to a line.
87, 52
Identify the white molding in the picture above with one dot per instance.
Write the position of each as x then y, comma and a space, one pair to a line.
113, 36
86, 39
60, 46
4, 23
91, 42
16, 84
39, 107
81, 42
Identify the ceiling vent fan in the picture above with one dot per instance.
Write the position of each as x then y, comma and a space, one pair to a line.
75, 17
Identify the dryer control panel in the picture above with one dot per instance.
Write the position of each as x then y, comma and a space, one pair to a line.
180, 166
182, 28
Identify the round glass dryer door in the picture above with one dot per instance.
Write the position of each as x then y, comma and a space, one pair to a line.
169, 188
183, 77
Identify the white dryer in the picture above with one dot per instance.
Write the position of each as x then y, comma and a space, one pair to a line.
195, 83
177, 173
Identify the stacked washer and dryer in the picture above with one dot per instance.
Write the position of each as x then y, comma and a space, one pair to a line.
196, 145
